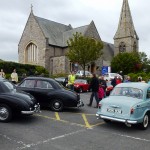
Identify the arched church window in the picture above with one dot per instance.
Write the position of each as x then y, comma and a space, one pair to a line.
31, 53
122, 47
134, 47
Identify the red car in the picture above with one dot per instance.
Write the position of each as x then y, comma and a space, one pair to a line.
81, 85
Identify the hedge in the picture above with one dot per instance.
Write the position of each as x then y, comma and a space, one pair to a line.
21, 69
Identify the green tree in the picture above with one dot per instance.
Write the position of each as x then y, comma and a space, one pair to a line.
83, 50
126, 62
145, 62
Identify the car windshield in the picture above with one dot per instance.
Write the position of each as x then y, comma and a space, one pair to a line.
127, 91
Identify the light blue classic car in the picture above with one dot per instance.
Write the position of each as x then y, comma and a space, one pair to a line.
128, 103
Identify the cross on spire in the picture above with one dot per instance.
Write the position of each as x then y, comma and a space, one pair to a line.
31, 8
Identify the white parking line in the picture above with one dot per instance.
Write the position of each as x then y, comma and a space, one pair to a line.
51, 139
132, 137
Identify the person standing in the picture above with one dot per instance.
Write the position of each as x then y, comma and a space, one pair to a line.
113, 81
128, 79
2, 74
14, 77
101, 93
94, 85
118, 80
71, 80
103, 84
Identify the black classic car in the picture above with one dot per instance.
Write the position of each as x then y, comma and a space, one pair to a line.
14, 102
50, 93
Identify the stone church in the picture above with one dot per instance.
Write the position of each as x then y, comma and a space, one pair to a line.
44, 42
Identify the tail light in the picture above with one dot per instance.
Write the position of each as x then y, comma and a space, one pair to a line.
132, 111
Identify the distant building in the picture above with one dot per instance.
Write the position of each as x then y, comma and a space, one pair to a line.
44, 42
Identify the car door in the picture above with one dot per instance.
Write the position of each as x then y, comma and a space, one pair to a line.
148, 98
42, 90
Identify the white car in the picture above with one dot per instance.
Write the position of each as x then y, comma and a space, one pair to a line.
81, 72
110, 76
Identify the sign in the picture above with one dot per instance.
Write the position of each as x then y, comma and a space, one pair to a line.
105, 70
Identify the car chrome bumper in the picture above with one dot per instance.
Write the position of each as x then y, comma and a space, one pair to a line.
80, 104
117, 119
30, 112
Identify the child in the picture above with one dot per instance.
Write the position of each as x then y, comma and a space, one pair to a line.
101, 93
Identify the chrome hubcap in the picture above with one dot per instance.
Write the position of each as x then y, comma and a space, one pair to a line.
57, 105
3, 113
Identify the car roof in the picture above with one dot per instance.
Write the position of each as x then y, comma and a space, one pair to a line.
139, 85
40, 78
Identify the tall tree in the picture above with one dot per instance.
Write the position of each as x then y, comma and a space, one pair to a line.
145, 62
126, 62
83, 50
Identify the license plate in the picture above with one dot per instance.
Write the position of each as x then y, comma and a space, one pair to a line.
114, 110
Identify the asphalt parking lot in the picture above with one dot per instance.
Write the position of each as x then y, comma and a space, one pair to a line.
72, 129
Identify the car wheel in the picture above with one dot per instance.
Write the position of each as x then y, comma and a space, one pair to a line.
5, 113
144, 124
57, 105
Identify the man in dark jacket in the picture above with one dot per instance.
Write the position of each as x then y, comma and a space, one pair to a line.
94, 85
113, 81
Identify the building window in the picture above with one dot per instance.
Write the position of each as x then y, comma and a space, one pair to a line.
31, 53
122, 47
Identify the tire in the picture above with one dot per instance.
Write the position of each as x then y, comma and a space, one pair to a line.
145, 123
5, 113
56, 105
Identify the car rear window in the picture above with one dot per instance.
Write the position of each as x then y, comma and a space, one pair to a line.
127, 91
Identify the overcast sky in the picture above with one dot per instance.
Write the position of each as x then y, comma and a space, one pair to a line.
105, 14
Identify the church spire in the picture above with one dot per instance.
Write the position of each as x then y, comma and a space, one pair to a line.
126, 31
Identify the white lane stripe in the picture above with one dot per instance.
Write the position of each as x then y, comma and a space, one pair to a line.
48, 140
9, 139
132, 137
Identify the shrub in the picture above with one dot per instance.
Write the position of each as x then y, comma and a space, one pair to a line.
8, 68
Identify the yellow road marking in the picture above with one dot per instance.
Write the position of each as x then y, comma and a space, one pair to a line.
87, 125
97, 124
57, 116
81, 125
86, 121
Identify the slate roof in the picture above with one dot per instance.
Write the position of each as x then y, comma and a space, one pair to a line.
108, 51
69, 34
53, 30
57, 33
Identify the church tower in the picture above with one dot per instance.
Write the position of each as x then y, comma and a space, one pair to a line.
125, 39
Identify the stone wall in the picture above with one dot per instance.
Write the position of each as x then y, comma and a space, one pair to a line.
59, 64
32, 34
